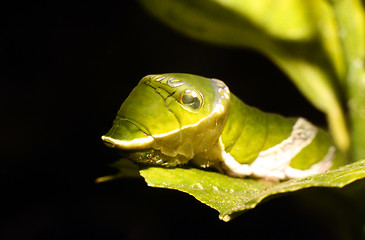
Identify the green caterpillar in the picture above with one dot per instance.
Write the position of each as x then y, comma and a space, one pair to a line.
172, 119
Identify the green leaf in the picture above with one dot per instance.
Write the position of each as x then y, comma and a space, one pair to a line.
231, 196
300, 36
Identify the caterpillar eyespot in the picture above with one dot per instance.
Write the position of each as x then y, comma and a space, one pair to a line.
214, 128
190, 99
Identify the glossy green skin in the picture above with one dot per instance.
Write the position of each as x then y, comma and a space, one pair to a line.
249, 131
171, 119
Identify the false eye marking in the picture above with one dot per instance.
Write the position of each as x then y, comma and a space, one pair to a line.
191, 100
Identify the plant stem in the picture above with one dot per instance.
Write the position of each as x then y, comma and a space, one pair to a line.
350, 18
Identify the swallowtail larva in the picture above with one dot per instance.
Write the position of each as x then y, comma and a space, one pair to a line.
172, 119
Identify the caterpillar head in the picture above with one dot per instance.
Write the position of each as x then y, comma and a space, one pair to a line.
168, 118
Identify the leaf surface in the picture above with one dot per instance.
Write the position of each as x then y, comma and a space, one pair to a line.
231, 196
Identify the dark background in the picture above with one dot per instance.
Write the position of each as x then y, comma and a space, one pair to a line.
65, 68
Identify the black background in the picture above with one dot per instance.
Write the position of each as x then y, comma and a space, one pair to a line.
65, 68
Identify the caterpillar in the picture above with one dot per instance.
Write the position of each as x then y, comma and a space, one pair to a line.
173, 119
